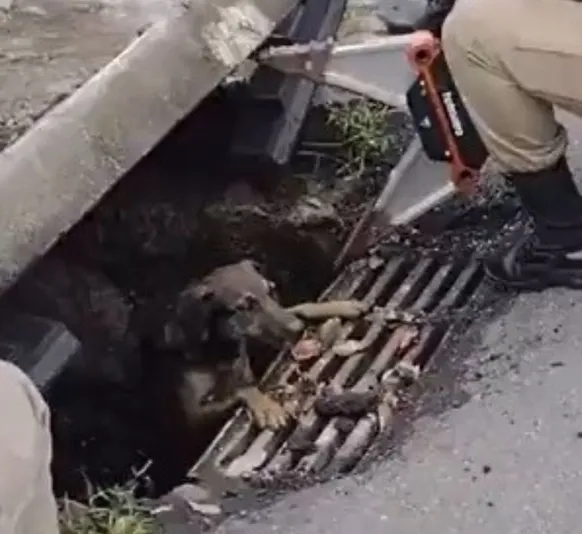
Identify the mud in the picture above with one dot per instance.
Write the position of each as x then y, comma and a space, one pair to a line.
465, 226
346, 404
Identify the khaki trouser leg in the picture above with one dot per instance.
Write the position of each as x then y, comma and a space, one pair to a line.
513, 60
27, 504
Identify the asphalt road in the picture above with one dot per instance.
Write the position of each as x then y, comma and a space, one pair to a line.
506, 459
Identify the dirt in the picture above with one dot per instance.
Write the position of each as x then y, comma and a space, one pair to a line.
458, 230
465, 226
48, 48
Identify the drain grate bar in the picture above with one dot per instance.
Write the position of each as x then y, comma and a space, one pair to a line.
462, 289
361, 438
346, 285
445, 276
389, 277
413, 285
429, 288
331, 436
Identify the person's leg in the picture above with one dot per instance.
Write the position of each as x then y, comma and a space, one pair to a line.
27, 504
513, 60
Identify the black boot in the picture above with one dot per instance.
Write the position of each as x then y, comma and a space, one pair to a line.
552, 255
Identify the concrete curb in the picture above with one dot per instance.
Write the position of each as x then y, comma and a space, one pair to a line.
63, 165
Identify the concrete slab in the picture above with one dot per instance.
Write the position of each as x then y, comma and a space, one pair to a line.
133, 90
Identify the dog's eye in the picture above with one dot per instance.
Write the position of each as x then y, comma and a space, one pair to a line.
246, 302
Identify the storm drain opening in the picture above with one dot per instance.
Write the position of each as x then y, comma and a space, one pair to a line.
175, 217
344, 400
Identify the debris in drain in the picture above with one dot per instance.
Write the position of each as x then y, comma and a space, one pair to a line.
197, 498
409, 337
345, 424
392, 315
351, 347
407, 372
314, 343
301, 442
307, 348
298, 397
347, 403
186, 506
375, 262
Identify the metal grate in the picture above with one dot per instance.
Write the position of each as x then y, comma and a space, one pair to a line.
429, 288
